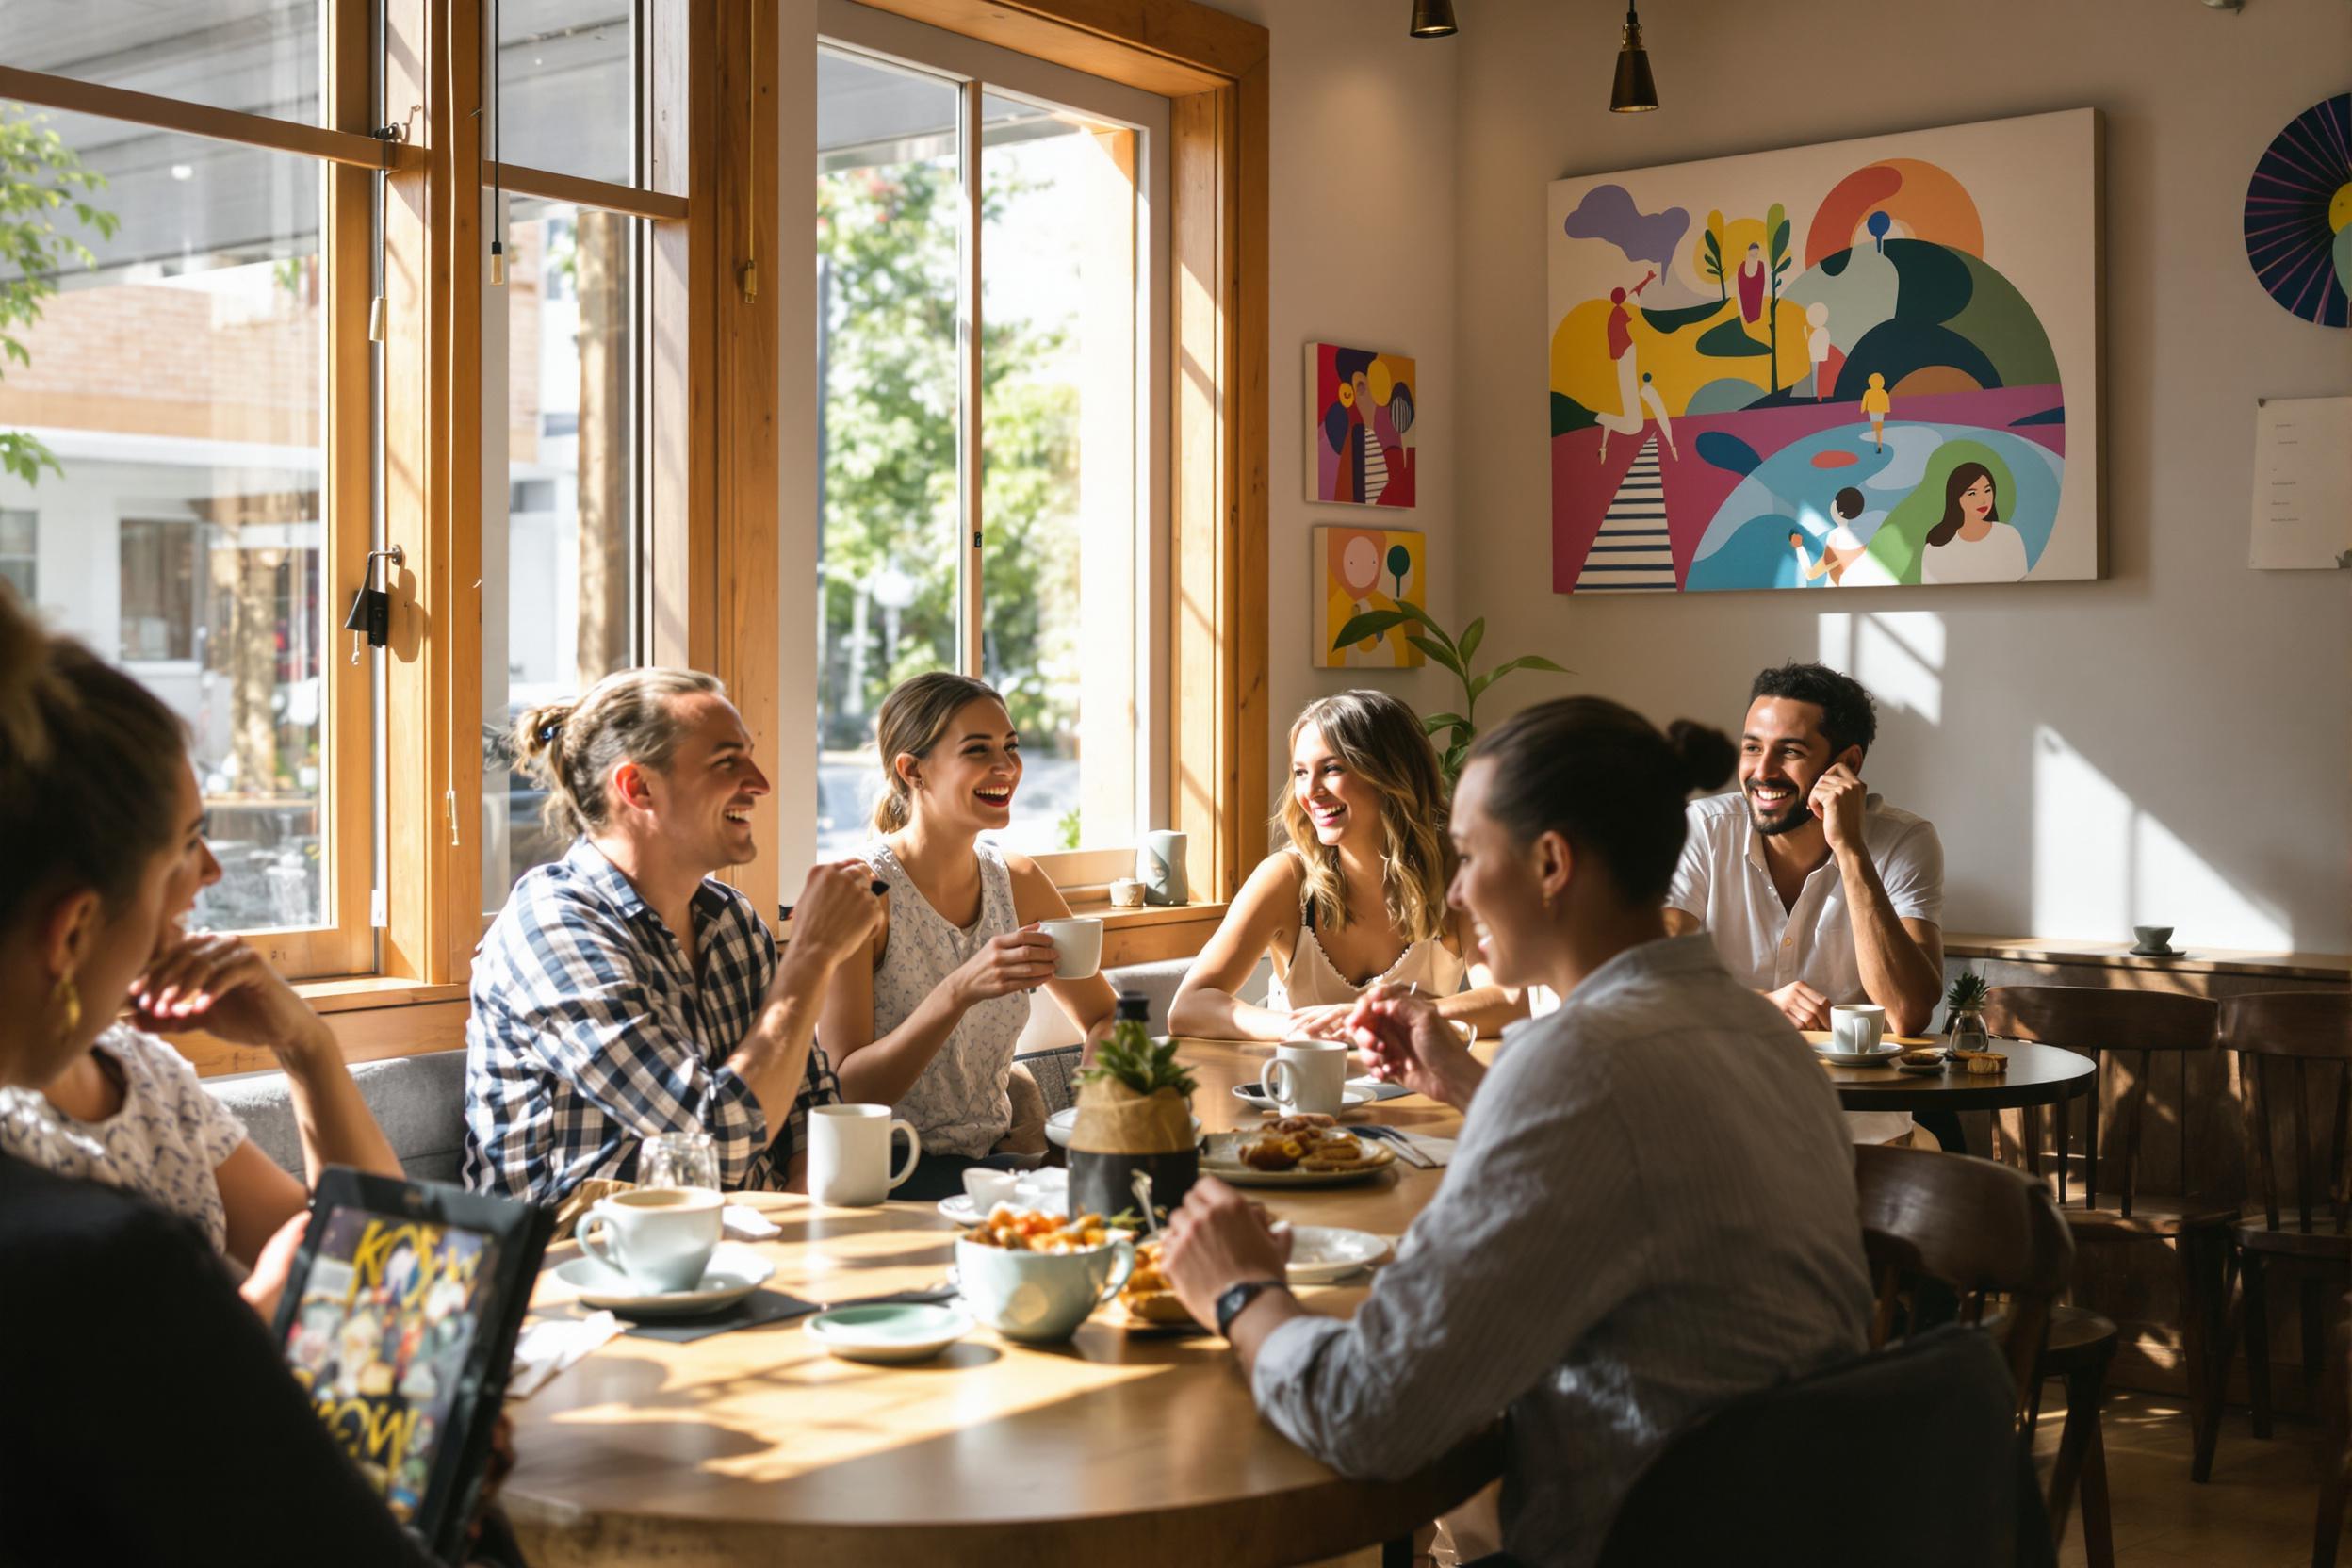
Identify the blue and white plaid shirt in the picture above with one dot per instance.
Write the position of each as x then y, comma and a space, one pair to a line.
589, 1035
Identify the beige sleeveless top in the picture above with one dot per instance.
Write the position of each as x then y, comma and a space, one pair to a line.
1311, 979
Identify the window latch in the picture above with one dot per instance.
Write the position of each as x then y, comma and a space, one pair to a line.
371, 620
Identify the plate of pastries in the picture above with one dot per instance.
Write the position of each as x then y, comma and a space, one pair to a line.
1294, 1151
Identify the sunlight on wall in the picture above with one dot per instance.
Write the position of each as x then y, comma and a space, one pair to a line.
1898, 654
2101, 865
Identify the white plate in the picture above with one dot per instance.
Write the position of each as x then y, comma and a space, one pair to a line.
734, 1273
1046, 1187
1864, 1058
1357, 1091
1321, 1253
889, 1333
1057, 1127
1219, 1159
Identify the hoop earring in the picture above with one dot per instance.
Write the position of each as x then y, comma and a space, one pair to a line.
68, 997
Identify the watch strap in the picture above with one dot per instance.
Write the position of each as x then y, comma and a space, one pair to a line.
1236, 1299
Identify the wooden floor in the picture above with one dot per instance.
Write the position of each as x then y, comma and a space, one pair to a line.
2256, 1512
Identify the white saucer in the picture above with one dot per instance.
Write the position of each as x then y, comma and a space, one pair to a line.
1357, 1091
1862, 1058
1046, 1187
734, 1273
1321, 1253
889, 1333
2158, 953
1057, 1127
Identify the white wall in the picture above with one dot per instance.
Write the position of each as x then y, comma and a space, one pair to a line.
2168, 743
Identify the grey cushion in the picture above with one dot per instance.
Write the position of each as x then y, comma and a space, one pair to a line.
419, 1101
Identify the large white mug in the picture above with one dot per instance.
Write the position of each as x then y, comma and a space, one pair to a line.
1307, 1077
1077, 946
1857, 1029
849, 1154
659, 1237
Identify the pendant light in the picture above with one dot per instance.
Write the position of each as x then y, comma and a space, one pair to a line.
1634, 92
1432, 18
498, 152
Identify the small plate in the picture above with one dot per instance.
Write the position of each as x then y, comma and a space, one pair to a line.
1221, 1158
1321, 1253
1057, 1127
1922, 1069
734, 1273
1862, 1058
889, 1333
1357, 1091
2159, 953
1046, 1187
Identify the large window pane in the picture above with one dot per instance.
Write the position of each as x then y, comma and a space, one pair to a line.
1058, 379
260, 57
569, 72
889, 230
162, 432
568, 555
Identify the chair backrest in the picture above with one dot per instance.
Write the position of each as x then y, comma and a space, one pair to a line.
1056, 1076
2096, 1022
1980, 1230
2283, 1041
1796, 1474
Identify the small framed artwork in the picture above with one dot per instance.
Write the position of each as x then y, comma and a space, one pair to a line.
1361, 409
1358, 571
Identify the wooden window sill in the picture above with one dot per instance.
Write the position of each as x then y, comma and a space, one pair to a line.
2193, 959
354, 992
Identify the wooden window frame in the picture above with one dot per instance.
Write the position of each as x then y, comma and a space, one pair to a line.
1213, 68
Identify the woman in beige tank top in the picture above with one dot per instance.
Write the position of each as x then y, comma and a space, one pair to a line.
1355, 898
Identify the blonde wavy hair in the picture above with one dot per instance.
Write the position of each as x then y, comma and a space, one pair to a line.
572, 748
1381, 741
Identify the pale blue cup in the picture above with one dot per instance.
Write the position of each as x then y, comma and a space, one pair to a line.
1040, 1297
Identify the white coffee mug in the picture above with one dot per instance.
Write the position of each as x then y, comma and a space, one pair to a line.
659, 1237
1858, 1029
849, 1154
1307, 1077
1077, 946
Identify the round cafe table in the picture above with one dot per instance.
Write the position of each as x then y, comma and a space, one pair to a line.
2038, 1075
754, 1445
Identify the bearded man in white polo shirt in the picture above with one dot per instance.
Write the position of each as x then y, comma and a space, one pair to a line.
1817, 891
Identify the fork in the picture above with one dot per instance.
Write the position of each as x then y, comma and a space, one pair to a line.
1406, 1150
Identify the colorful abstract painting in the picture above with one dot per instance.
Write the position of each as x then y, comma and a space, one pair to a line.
1360, 414
2298, 214
1860, 363
1359, 570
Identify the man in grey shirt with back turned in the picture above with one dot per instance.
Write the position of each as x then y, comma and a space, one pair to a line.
1651, 1208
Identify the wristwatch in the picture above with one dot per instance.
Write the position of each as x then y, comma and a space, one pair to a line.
1232, 1304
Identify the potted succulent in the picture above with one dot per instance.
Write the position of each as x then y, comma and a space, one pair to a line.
1964, 1016
1134, 1114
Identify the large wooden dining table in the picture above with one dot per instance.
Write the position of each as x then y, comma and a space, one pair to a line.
756, 1446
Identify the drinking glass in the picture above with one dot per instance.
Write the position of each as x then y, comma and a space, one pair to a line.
679, 1160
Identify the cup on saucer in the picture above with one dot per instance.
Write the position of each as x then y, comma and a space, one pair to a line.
2153, 940
658, 1238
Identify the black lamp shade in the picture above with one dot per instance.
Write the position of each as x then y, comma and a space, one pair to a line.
1432, 18
1635, 91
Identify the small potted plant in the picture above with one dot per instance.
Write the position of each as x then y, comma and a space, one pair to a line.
1135, 1113
1964, 1018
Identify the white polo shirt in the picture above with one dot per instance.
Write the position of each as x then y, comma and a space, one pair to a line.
1723, 883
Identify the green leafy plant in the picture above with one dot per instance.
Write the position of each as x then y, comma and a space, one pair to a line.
1967, 993
1065, 827
1146, 1069
40, 178
1453, 654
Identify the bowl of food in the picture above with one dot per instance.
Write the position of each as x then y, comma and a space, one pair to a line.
1035, 1277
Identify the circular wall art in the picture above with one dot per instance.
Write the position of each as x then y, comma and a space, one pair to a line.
2298, 214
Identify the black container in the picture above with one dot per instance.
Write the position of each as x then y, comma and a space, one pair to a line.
1104, 1183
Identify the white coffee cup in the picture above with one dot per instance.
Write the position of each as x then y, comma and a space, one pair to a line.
987, 1189
1857, 1029
1077, 946
1307, 1077
849, 1154
659, 1237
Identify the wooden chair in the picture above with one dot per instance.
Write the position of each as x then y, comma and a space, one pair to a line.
1981, 1232
1768, 1478
2335, 1456
2138, 1027
2284, 1040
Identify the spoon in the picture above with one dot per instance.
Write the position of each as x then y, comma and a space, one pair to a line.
1140, 1185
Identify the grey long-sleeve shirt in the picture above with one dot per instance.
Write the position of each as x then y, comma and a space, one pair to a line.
1651, 1209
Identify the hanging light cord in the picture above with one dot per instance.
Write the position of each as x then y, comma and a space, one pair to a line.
747, 280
